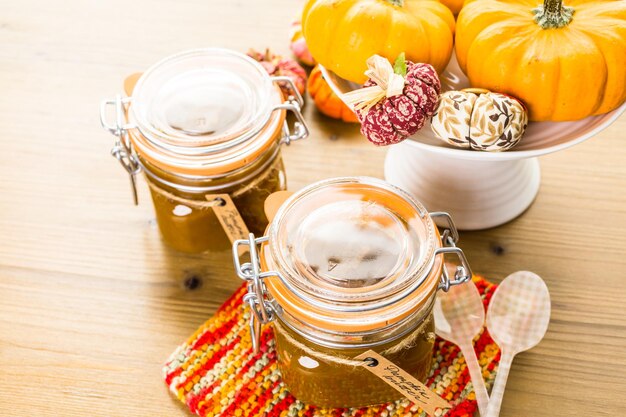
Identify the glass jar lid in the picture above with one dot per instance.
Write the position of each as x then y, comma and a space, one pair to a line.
353, 253
214, 162
206, 112
201, 98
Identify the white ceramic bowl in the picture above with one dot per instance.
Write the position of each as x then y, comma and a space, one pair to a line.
479, 189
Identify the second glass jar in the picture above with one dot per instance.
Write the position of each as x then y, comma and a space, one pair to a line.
203, 123
348, 265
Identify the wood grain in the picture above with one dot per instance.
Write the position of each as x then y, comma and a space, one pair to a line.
92, 303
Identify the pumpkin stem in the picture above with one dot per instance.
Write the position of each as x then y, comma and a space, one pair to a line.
399, 66
553, 14
397, 2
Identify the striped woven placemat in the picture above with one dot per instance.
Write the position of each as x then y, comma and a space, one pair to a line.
216, 372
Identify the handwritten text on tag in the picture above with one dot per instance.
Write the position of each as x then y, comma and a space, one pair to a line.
403, 382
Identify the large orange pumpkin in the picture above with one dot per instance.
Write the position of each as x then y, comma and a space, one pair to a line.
565, 62
343, 34
326, 100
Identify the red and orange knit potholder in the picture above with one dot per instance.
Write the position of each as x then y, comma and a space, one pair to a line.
217, 373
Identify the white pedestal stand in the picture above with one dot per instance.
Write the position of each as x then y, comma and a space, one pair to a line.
478, 194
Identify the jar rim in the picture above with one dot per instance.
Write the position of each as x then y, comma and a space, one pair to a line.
371, 303
193, 156
217, 163
179, 179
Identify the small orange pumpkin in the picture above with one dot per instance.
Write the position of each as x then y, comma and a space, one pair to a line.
455, 6
326, 100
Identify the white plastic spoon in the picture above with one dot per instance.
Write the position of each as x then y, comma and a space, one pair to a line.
459, 317
517, 320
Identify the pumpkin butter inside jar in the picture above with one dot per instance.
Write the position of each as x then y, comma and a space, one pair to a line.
206, 127
349, 265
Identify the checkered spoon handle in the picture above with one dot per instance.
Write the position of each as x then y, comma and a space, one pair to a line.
518, 318
459, 317
497, 392
476, 374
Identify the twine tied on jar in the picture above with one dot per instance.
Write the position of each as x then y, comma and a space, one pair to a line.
406, 343
199, 204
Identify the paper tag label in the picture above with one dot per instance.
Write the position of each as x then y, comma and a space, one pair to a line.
229, 218
403, 382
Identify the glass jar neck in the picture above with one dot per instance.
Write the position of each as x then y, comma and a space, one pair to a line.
216, 160
246, 175
358, 339
351, 255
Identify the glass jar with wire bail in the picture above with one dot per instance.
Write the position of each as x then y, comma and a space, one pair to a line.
348, 265
206, 128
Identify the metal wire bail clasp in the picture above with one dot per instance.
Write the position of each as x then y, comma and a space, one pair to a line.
449, 238
293, 104
261, 307
122, 149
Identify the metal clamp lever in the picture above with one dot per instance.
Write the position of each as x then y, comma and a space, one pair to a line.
450, 229
119, 127
122, 149
300, 129
463, 272
449, 238
130, 164
257, 297
285, 81
293, 103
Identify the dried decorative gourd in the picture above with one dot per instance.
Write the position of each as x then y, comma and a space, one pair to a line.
277, 65
298, 45
479, 120
396, 101
326, 100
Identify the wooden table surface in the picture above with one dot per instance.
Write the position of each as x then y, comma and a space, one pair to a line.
92, 302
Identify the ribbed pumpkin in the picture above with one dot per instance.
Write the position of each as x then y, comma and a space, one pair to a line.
565, 62
326, 100
343, 34
455, 6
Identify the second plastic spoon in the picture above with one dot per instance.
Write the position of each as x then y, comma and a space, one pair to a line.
459, 317
517, 320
